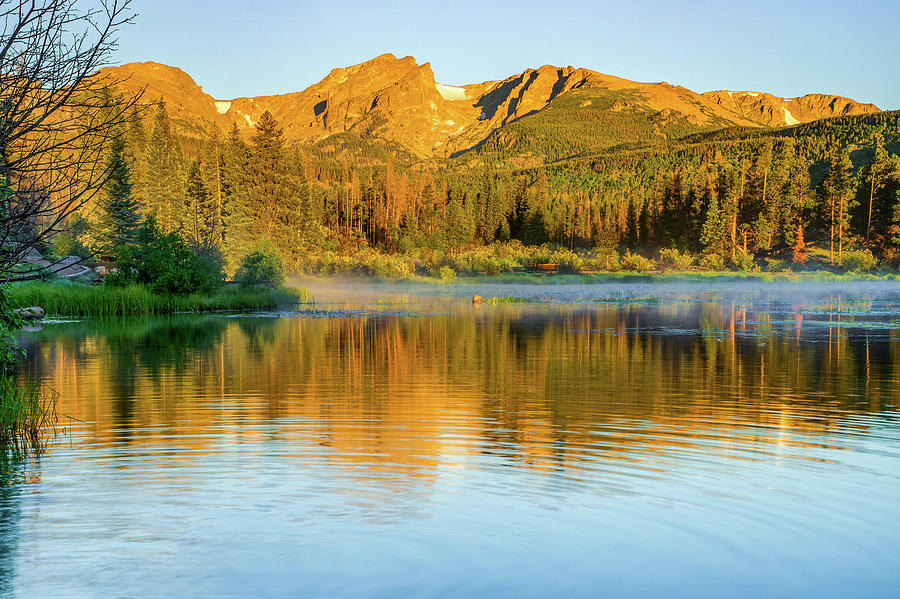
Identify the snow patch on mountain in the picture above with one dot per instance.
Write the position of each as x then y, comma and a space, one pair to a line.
247, 118
454, 94
788, 117
222, 107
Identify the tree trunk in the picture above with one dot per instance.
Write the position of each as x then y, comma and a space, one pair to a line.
871, 198
220, 230
831, 233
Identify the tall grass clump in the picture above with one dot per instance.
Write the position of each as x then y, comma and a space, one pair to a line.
26, 410
108, 300
26, 413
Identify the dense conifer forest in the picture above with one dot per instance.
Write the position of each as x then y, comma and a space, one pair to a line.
740, 198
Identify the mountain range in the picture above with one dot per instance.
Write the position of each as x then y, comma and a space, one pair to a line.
541, 114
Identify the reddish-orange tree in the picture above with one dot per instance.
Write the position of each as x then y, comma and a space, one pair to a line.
800, 256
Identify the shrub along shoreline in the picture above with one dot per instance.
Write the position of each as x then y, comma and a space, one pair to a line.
514, 258
160, 273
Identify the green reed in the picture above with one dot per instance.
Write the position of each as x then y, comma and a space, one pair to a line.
27, 413
104, 300
514, 300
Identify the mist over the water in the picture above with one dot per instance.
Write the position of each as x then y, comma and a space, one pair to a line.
363, 289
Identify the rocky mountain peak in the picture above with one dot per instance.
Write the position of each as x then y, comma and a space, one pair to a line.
772, 111
399, 100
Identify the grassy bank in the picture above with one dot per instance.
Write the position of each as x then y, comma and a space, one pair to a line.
26, 413
675, 276
515, 259
104, 300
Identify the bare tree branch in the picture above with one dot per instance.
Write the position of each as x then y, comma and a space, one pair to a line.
57, 114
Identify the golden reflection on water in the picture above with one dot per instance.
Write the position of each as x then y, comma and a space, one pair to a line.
545, 387
710, 447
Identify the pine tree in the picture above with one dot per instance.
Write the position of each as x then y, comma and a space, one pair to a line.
837, 191
763, 226
267, 170
162, 164
120, 211
729, 208
214, 178
237, 216
304, 216
797, 199
892, 189
876, 176
200, 216
267, 173
135, 148
459, 223
846, 202
713, 231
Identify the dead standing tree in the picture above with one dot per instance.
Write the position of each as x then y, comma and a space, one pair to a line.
57, 115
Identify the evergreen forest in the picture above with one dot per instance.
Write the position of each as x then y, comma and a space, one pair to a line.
823, 194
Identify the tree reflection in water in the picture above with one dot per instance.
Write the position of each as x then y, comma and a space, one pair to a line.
582, 438
536, 376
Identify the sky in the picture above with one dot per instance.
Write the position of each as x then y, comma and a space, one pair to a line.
236, 48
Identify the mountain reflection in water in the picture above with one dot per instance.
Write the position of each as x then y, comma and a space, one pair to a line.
681, 448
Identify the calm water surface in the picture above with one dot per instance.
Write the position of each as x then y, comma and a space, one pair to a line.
395, 442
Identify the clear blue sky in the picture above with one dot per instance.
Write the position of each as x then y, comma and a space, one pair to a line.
256, 47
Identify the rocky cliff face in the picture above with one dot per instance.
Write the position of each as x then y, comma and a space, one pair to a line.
192, 109
398, 100
390, 98
772, 111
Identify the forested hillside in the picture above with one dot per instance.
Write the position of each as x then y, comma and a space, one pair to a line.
730, 197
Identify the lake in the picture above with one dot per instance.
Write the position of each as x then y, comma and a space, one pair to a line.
398, 441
